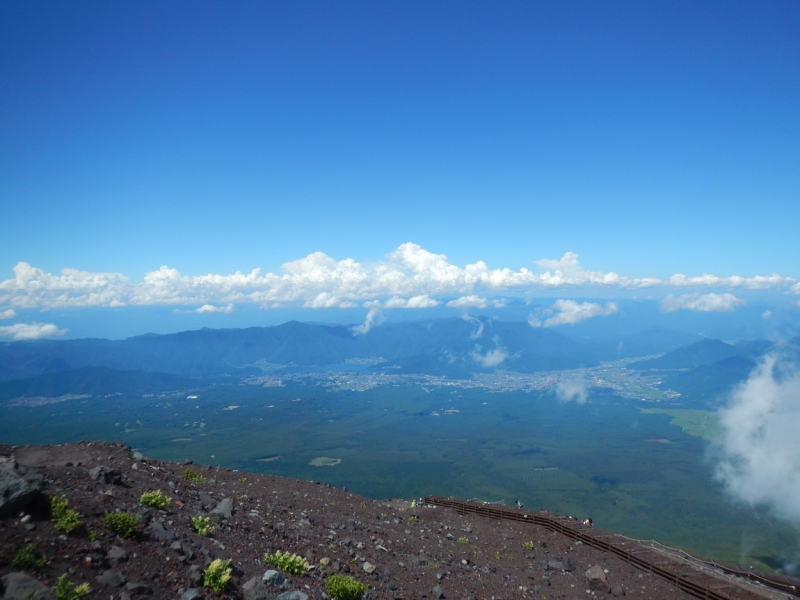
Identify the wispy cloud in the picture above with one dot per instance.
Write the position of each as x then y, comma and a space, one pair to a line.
30, 331
492, 358
8, 314
759, 454
569, 312
409, 272
702, 303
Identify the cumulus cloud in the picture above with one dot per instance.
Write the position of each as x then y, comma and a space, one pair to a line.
471, 301
210, 308
409, 272
492, 358
421, 301
8, 314
701, 303
572, 389
759, 454
569, 312
326, 300
30, 331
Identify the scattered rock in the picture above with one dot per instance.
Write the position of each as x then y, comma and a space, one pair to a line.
205, 499
190, 594
106, 475
255, 589
561, 564
117, 554
19, 486
292, 596
21, 586
546, 581
272, 577
138, 588
597, 579
618, 591
111, 578
437, 591
224, 509
369, 567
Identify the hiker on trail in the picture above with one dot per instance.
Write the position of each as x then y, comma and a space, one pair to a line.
519, 503
413, 504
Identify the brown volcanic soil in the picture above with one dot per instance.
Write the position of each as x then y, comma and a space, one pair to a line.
413, 549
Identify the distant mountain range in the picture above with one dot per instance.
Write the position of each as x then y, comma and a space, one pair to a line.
454, 348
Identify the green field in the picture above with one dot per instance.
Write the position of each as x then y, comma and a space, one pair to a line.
596, 459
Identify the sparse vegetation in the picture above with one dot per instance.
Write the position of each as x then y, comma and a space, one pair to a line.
155, 499
193, 476
462, 540
342, 587
28, 557
66, 590
287, 562
218, 574
383, 516
121, 523
242, 479
202, 525
528, 546
65, 519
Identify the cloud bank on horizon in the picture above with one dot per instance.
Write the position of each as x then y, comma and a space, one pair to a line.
409, 277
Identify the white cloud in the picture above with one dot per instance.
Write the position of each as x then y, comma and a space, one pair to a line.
569, 312
701, 303
8, 314
492, 358
421, 301
471, 301
759, 454
373, 314
766, 314
318, 280
30, 331
326, 300
210, 308
572, 389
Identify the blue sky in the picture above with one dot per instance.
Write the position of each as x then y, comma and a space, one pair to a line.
648, 138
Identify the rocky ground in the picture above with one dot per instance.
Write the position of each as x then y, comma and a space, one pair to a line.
400, 552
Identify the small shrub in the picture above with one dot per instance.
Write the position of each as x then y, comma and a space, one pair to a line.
202, 525
342, 587
383, 516
121, 523
414, 519
155, 499
217, 575
28, 558
242, 479
65, 519
497, 555
194, 476
66, 590
462, 540
528, 546
288, 563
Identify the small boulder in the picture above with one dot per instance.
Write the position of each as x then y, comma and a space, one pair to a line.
618, 591
106, 475
368, 567
546, 581
255, 589
20, 586
117, 554
597, 579
437, 592
272, 577
205, 499
19, 486
190, 594
224, 508
138, 587
292, 596
111, 578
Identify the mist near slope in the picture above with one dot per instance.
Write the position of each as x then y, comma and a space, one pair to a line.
758, 456
572, 389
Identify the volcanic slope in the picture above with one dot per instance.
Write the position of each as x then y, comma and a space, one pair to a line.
400, 552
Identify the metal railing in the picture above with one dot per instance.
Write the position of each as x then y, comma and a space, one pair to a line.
686, 577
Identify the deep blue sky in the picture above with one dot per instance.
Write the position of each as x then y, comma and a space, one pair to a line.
651, 138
